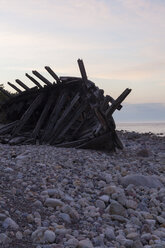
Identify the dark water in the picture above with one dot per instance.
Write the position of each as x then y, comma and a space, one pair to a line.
153, 127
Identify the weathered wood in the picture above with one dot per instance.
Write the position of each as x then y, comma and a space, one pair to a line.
7, 128
33, 80
5, 93
22, 84
53, 74
14, 87
43, 116
60, 102
117, 102
42, 78
73, 117
25, 117
60, 121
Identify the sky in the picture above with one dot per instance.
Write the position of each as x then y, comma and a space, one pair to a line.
122, 43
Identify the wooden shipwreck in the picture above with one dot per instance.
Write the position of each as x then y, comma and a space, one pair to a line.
70, 112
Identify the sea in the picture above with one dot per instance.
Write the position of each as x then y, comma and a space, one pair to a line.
157, 128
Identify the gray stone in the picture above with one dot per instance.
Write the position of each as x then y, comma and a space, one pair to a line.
85, 243
65, 217
53, 202
117, 209
109, 233
49, 236
140, 180
9, 223
4, 239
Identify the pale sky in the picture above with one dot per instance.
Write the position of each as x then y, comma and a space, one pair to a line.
122, 43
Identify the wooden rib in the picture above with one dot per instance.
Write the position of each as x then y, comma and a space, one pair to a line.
53, 74
33, 80
61, 100
7, 128
25, 117
5, 93
117, 102
37, 74
22, 84
72, 120
59, 125
14, 87
43, 115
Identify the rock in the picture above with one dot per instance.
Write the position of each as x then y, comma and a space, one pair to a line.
38, 235
143, 153
4, 239
72, 213
109, 233
86, 243
49, 236
137, 244
131, 204
9, 223
117, 209
2, 217
100, 204
104, 198
65, 217
109, 190
133, 236
18, 235
53, 202
140, 180
72, 243
118, 218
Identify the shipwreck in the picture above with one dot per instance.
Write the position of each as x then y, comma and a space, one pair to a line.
68, 112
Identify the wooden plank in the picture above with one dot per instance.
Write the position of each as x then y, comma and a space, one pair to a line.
34, 81
73, 117
53, 74
5, 93
61, 100
43, 116
61, 120
104, 141
7, 128
37, 74
14, 87
117, 102
25, 117
22, 84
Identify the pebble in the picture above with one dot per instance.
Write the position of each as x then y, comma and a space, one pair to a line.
64, 197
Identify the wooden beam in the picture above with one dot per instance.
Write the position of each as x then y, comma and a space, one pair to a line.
42, 78
43, 116
22, 84
53, 74
34, 81
14, 87
59, 104
5, 93
25, 117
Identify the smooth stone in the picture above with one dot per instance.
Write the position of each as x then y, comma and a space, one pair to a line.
104, 198
100, 204
49, 236
18, 235
53, 202
109, 233
4, 239
131, 204
140, 180
132, 236
116, 208
65, 217
118, 218
72, 243
85, 243
9, 223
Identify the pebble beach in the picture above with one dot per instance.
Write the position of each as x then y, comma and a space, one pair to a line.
64, 197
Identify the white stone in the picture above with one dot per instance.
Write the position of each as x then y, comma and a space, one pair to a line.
49, 236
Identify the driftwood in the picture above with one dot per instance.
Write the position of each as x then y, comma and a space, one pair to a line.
70, 112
